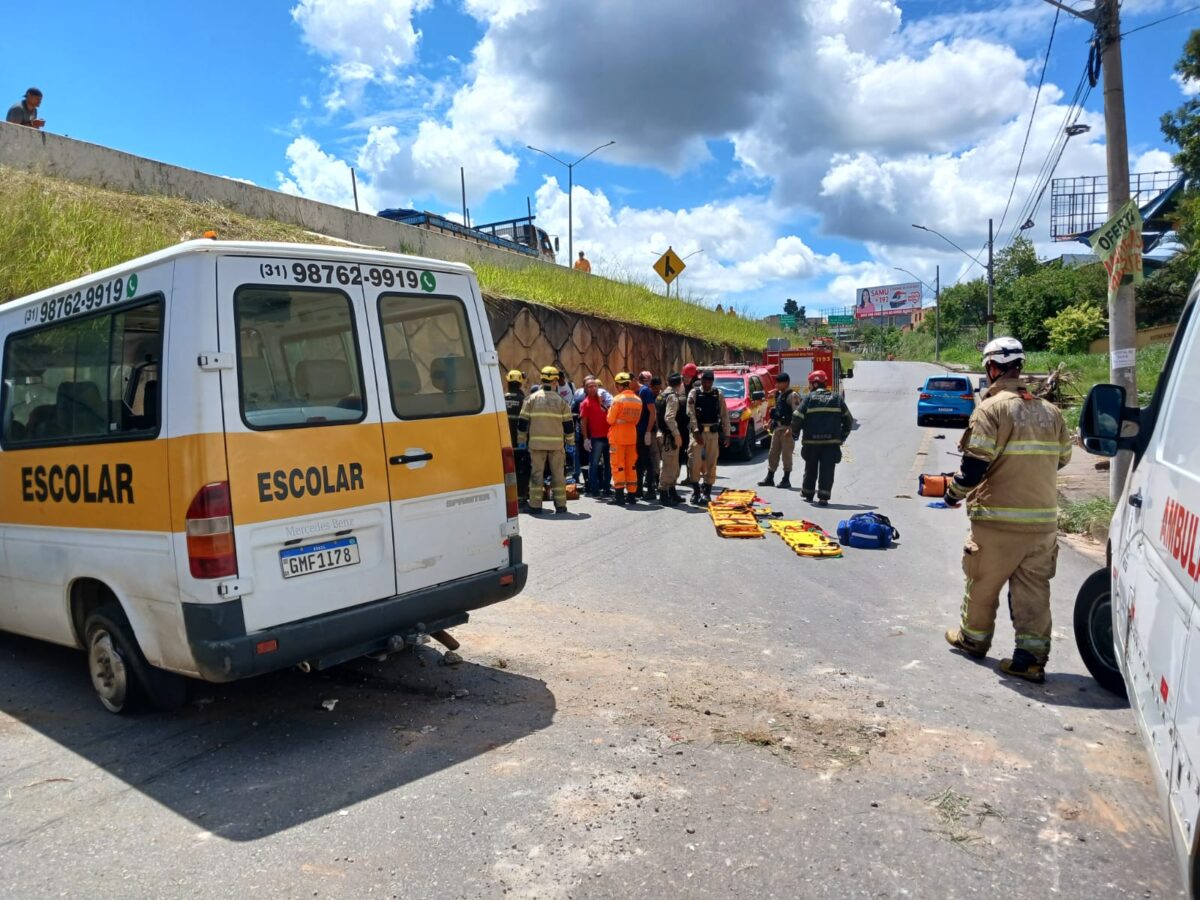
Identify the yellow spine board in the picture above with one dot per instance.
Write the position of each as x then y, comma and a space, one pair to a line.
806, 538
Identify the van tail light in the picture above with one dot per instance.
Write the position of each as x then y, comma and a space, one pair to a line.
510, 482
211, 550
925, 396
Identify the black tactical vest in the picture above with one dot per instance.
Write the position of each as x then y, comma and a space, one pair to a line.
708, 407
513, 401
783, 409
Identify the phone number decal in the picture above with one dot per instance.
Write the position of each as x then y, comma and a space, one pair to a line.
76, 303
346, 275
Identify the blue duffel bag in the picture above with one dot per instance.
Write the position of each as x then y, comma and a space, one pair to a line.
867, 531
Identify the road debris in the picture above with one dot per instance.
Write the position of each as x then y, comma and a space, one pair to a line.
328, 705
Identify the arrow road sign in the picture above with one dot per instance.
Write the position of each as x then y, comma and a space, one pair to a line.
669, 265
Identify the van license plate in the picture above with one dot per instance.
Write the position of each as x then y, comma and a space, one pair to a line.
319, 557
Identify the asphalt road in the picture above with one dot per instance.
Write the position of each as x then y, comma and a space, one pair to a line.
660, 713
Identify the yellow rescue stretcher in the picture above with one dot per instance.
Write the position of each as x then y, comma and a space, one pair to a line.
734, 515
806, 538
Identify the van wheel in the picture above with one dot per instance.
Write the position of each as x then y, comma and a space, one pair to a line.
750, 444
1094, 631
122, 678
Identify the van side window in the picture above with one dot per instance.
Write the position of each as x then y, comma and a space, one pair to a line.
298, 358
85, 380
430, 357
1179, 447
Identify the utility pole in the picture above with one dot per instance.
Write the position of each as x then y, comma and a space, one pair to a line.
1122, 319
991, 273
937, 314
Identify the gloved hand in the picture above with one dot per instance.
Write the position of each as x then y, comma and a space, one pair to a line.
648, 439
522, 446
587, 445
950, 495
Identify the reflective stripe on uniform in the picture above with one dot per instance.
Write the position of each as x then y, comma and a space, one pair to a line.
1014, 514
981, 446
1033, 448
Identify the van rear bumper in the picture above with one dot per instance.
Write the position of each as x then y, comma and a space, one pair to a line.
223, 651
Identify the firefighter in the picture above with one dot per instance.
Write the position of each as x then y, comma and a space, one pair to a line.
825, 422
672, 435
514, 399
708, 419
546, 427
623, 418
1012, 451
783, 445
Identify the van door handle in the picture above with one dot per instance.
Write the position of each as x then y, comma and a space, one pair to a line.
1136, 499
413, 458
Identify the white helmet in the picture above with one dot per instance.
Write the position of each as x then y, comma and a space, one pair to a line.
1003, 351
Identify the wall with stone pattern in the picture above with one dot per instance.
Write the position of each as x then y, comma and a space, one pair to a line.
529, 336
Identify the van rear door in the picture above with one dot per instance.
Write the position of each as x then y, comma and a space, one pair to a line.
443, 418
307, 469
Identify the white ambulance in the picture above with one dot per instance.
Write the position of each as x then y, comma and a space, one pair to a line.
228, 458
1137, 622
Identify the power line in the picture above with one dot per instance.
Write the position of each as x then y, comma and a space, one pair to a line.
1032, 115
1182, 12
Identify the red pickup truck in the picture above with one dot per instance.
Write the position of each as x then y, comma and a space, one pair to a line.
747, 391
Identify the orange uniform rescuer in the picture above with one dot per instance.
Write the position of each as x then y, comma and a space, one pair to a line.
623, 417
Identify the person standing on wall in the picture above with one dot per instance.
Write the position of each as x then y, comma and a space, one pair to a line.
647, 478
708, 418
825, 422
783, 445
623, 418
514, 399
546, 427
582, 264
24, 111
671, 433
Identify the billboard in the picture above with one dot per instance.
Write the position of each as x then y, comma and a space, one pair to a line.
887, 300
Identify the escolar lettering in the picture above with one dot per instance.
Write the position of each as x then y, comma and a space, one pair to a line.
313, 481
77, 484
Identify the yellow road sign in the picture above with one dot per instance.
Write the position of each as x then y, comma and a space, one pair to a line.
669, 265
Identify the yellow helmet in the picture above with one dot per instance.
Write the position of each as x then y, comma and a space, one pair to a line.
549, 373
623, 378
515, 375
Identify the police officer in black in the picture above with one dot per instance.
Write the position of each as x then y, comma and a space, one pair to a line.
513, 400
825, 422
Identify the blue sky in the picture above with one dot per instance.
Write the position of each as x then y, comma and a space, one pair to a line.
791, 141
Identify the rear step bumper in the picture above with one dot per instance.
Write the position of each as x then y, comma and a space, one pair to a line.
223, 651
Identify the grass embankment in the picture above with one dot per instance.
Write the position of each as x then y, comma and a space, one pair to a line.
54, 230
1081, 516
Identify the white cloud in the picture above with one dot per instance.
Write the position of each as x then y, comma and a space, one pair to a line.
317, 175
1152, 161
1189, 86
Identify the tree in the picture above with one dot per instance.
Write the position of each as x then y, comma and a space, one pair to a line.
1017, 259
789, 307
1182, 127
1026, 303
801, 315
961, 306
1074, 328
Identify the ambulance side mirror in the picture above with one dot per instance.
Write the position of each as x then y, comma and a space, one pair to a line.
758, 395
1102, 419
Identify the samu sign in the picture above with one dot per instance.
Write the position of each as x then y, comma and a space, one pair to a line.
1118, 243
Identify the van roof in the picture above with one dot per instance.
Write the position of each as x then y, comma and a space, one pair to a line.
244, 248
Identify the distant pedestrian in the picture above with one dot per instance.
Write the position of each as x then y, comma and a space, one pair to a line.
24, 111
647, 473
623, 417
582, 264
593, 424
672, 433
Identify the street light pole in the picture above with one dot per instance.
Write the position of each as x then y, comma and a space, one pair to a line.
570, 192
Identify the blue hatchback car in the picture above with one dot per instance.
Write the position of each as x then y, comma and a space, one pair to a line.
946, 399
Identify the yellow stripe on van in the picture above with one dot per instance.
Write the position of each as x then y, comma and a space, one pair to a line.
466, 454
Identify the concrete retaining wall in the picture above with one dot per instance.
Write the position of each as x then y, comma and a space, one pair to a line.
61, 157
1159, 334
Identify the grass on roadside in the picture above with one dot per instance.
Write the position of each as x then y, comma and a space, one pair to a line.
55, 230
1078, 516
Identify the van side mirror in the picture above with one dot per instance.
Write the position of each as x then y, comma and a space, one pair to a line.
556, 244
1104, 412
849, 373
758, 395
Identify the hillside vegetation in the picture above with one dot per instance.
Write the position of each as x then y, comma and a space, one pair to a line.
54, 230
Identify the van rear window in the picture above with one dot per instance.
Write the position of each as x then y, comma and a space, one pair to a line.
957, 385
298, 358
92, 379
431, 363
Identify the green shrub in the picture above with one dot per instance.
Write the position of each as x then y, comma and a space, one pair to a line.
1074, 328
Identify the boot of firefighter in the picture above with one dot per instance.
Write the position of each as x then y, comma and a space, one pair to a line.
697, 495
1024, 665
631, 498
619, 497
786, 480
769, 481
707, 494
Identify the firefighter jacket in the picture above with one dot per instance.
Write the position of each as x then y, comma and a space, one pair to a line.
546, 422
707, 410
623, 417
513, 401
668, 415
786, 402
822, 418
1012, 451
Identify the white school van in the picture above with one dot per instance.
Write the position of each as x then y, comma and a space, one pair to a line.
1137, 623
228, 458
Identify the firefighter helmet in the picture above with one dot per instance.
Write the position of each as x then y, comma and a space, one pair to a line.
515, 375
818, 376
549, 373
1003, 351
689, 371
623, 378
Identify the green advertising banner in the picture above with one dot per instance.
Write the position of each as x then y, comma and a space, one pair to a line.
1118, 243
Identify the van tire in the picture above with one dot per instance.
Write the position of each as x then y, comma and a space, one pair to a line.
1093, 631
122, 678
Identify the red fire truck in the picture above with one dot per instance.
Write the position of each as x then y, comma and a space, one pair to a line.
801, 361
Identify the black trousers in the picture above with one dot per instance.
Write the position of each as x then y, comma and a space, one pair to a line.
524, 470
819, 463
645, 479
